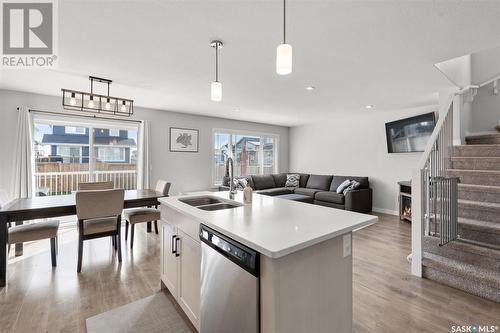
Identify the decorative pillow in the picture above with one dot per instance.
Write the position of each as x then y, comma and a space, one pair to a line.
240, 183
343, 186
352, 186
292, 180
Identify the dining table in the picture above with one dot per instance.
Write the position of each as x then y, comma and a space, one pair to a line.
25, 209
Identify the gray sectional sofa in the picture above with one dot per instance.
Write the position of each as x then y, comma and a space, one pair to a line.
317, 189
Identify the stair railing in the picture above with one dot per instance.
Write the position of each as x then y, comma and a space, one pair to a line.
428, 188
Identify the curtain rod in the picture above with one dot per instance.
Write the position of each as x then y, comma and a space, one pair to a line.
82, 116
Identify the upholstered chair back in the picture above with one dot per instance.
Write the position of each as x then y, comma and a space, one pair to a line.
163, 187
95, 186
96, 204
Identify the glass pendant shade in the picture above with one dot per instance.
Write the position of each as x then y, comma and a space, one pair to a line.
216, 91
284, 59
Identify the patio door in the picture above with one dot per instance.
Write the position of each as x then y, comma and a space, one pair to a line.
70, 151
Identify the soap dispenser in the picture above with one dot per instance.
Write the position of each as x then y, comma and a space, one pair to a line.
247, 194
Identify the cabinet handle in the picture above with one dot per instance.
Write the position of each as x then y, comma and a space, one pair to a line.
176, 247
172, 244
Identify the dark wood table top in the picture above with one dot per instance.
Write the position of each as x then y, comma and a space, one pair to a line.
24, 205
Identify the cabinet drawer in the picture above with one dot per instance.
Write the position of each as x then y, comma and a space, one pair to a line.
190, 226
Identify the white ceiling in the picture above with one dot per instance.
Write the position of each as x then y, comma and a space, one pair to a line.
354, 52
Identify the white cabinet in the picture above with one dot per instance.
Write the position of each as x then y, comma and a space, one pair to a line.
189, 277
169, 263
180, 269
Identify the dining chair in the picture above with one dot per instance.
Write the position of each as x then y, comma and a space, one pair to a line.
99, 215
140, 215
92, 186
32, 232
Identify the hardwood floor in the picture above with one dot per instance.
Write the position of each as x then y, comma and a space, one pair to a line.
386, 297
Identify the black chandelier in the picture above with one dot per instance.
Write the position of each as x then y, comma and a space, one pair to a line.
95, 103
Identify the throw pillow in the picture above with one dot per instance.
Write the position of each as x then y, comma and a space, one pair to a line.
343, 186
292, 180
352, 186
240, 183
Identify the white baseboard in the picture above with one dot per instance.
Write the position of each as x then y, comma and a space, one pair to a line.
385, 211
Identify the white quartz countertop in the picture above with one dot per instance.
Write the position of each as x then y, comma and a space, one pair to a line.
272, 226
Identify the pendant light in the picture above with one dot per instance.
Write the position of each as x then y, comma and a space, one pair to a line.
284, 51
216, 86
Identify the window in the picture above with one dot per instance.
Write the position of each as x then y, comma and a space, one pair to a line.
63, 160
253, 154
75, 130
110, 154
114, 132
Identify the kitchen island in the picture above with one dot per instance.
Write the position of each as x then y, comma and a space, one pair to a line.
305, 256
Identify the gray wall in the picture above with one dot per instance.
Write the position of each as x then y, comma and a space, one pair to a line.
356, 146
485, 113
186, 171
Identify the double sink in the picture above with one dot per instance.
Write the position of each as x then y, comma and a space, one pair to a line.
209, 203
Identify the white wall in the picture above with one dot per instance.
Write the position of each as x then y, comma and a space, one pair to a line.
485, 114
186, 171
356, 146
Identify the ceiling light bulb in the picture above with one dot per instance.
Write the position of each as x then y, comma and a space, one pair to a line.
216, 91
108, 105
369, 106
72, 100
91, 102
309, 88
284, 59
124, 107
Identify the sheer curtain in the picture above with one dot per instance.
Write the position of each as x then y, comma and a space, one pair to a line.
24, 166
144, 161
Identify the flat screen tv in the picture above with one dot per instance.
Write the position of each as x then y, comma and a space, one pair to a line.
410, 134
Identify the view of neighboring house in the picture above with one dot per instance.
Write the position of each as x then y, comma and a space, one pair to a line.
71, 145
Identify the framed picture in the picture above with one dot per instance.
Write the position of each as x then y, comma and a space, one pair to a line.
184, 139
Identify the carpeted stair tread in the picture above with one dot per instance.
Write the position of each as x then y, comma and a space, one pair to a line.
489, 188
465, 247
482, 226
471, 272
484, 205
490, 150
476, 163
488, 138
493, 172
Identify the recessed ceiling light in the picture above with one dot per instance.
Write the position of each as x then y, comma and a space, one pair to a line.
310, 88
369, 106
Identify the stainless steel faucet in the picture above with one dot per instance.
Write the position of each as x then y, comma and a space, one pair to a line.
232, 189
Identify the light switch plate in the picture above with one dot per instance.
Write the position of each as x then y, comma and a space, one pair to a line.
347, 245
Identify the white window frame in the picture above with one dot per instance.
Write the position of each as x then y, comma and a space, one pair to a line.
232, 132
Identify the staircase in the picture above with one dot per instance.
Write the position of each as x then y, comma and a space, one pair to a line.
471, 263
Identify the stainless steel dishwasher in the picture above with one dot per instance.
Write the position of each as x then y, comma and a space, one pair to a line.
229, 285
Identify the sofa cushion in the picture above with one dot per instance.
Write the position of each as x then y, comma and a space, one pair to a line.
333, 197
306, 191
319, 182
337, 180
262, 182
275, 191
280, 179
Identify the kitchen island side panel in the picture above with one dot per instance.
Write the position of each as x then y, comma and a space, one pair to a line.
308, 291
